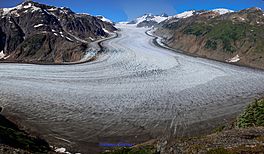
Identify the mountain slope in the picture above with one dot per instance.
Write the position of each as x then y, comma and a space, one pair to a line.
230, 36
33, 32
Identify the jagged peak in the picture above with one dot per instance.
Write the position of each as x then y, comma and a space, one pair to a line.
34, 6
252, 9
24, 5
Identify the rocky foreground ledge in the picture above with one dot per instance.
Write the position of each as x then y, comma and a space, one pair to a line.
16, 141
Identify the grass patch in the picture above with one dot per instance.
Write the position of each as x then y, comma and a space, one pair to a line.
227, 33
253, 115
197, 29
211, 44
220, 150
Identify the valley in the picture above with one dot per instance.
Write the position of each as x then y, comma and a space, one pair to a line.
79, 83
133, 92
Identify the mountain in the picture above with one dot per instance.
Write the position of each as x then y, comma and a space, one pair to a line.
149, 20
33, 32
190, 13
220, 34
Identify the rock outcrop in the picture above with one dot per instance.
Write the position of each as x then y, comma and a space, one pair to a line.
33, 32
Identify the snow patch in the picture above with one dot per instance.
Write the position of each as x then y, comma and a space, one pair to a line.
2, 55
243, 19
258, 8
34, 8
8, 10
234, 59
47, 12
6, 57
91, 38
53, 9
222, 11
159, 19
55, 34
69, 39
106, 31
61, 150
39, 25
104, 19
28, 6
185, 14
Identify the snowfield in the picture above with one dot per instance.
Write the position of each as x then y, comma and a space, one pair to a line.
132, 92
150, 17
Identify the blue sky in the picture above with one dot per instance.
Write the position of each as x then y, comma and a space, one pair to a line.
122, 10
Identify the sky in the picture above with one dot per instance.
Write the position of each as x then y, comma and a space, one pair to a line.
125, 10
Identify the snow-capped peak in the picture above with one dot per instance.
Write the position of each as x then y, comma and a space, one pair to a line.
222, 11
150, 17
24, 5
185, 14
104, 19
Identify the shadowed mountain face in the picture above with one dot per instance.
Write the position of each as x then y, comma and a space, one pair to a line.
33, 32
232, 36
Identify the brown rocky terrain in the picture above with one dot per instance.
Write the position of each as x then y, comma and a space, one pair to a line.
232, 37
33, 32
17, 141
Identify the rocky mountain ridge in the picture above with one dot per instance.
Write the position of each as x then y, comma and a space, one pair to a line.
34, 32
236, 37
149, 20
